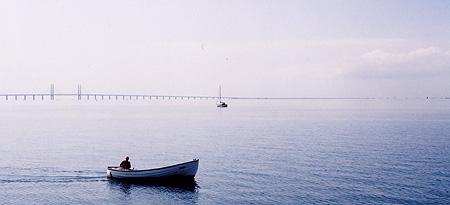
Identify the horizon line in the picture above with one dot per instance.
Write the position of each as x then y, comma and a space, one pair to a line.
211, 97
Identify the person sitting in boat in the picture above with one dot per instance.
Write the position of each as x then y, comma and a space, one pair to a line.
125, 164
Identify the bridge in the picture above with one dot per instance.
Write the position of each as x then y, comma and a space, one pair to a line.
98, 96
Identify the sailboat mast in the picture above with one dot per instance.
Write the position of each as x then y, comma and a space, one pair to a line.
220, 103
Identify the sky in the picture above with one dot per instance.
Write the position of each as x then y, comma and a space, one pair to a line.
252, 48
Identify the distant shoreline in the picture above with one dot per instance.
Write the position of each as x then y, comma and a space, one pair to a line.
46, 96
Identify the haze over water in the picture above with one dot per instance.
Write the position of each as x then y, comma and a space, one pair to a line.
333, 146
267, 48
386, 151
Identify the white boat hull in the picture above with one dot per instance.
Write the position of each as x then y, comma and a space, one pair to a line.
187, 169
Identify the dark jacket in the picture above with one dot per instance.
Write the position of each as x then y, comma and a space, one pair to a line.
125, 164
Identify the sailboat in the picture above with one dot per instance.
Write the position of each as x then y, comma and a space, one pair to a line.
220, 103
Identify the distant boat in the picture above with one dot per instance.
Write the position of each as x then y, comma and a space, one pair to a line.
186, 170
220, 103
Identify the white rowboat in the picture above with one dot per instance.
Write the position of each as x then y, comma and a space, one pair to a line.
183, 170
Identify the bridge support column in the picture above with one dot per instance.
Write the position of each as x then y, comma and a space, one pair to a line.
52, 91
79, 91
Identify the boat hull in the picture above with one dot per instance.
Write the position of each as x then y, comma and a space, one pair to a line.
183, 170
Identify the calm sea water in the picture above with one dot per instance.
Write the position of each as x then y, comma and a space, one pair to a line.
255, 151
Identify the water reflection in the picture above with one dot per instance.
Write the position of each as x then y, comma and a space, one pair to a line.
185, 190
184, 185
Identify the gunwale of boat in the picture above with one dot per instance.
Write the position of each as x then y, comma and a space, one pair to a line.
154, 169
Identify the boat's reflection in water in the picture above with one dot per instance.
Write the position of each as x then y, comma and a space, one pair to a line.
179, 185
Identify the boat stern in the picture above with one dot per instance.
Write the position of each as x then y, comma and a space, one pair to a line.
109, 174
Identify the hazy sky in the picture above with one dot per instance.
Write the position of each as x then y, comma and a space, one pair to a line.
274, 48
